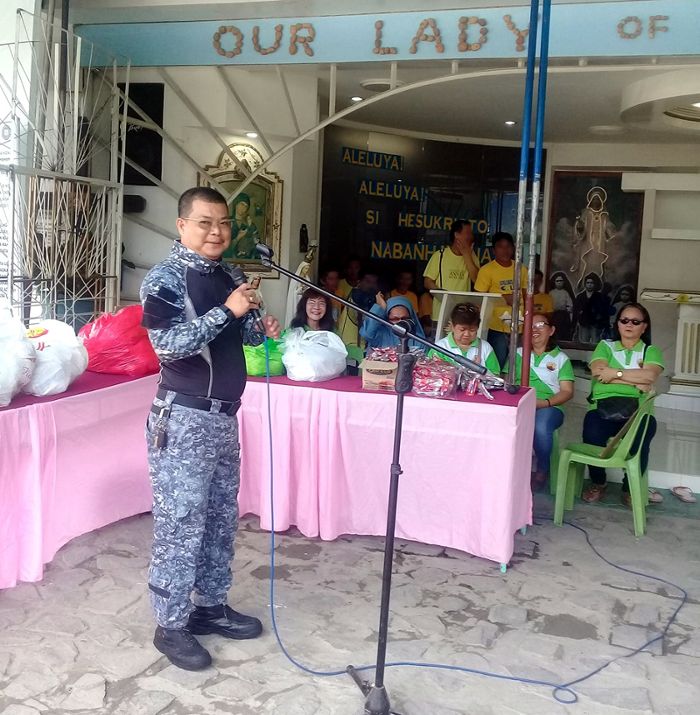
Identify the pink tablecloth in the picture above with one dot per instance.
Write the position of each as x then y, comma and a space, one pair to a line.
466, 464
77, 462
69, 465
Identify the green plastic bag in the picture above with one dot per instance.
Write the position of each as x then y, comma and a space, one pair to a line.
255, 359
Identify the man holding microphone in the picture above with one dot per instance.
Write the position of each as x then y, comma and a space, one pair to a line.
197, 311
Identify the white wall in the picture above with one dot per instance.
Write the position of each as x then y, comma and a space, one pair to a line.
8, 17
264, 97
669, 264
8, 32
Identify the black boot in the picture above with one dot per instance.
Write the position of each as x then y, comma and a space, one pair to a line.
224, 621
181, 648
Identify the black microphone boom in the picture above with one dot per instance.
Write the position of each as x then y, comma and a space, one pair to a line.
376, 698
401, 329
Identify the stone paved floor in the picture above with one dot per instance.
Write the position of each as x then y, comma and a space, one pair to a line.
79, 642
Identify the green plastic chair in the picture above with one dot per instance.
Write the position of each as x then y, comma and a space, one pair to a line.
616, 454
554, 463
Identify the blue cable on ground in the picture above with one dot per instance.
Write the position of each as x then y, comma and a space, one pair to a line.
562, 692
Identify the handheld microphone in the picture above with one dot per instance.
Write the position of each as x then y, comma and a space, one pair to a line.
239, 278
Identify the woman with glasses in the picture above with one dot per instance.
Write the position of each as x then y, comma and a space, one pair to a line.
552, 377
314, 312
625, 367
394, 310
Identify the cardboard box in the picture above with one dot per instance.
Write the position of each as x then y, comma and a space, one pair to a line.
378, 375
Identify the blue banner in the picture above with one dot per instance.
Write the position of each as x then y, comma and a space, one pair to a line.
608, 29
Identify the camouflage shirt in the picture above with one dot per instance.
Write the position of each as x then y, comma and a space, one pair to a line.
199, 345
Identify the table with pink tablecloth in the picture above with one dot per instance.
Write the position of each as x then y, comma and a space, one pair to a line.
466, 464
69, 464
77, 461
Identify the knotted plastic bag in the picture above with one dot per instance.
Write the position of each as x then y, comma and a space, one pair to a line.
313, 355
255, 359
60, 358
118, 344
17, 357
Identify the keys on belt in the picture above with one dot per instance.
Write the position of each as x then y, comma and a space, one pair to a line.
160, 426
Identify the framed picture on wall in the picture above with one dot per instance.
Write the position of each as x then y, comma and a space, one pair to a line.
256, 212
593, 253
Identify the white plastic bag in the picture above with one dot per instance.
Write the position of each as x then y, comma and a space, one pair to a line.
60, 358
313, 355
17, 356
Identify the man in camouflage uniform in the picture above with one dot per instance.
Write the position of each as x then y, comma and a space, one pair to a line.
197, 316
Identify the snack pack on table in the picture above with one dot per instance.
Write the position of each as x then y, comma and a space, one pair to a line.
383, 354
433, 377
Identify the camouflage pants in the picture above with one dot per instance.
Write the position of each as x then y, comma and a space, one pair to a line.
195, 479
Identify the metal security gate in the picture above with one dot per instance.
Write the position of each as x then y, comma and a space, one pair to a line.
61, 166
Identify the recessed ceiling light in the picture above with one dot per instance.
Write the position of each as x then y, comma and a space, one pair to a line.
379, 85
510, 123
696, 104
355, 99
252, 135
606, 129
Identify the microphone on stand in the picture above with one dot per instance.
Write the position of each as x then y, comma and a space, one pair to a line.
406, 325
264, 251
239, 278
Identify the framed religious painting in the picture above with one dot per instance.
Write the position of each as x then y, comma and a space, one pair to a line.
255, 211
593, 244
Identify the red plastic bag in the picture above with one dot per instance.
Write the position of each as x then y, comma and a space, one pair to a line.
118, 344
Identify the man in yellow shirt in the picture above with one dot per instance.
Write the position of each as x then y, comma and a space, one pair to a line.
542, 301
404, 281
497, 277
454, 267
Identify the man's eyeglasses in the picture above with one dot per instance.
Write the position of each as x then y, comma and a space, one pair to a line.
539, 325
634, 321
207, 225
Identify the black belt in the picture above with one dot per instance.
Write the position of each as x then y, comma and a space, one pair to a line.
198, 403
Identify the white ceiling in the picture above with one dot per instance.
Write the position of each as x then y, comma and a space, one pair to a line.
583, 102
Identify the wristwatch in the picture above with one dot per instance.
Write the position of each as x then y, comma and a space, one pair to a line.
619, 374
228, 313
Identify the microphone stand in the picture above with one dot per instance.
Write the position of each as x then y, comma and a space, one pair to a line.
376, 697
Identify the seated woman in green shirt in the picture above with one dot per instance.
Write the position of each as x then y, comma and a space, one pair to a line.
627, 366
463, 338
552, 378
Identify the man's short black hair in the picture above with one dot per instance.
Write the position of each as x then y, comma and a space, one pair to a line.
503, 236
456, 227
198, 193
368, 272
326, 270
